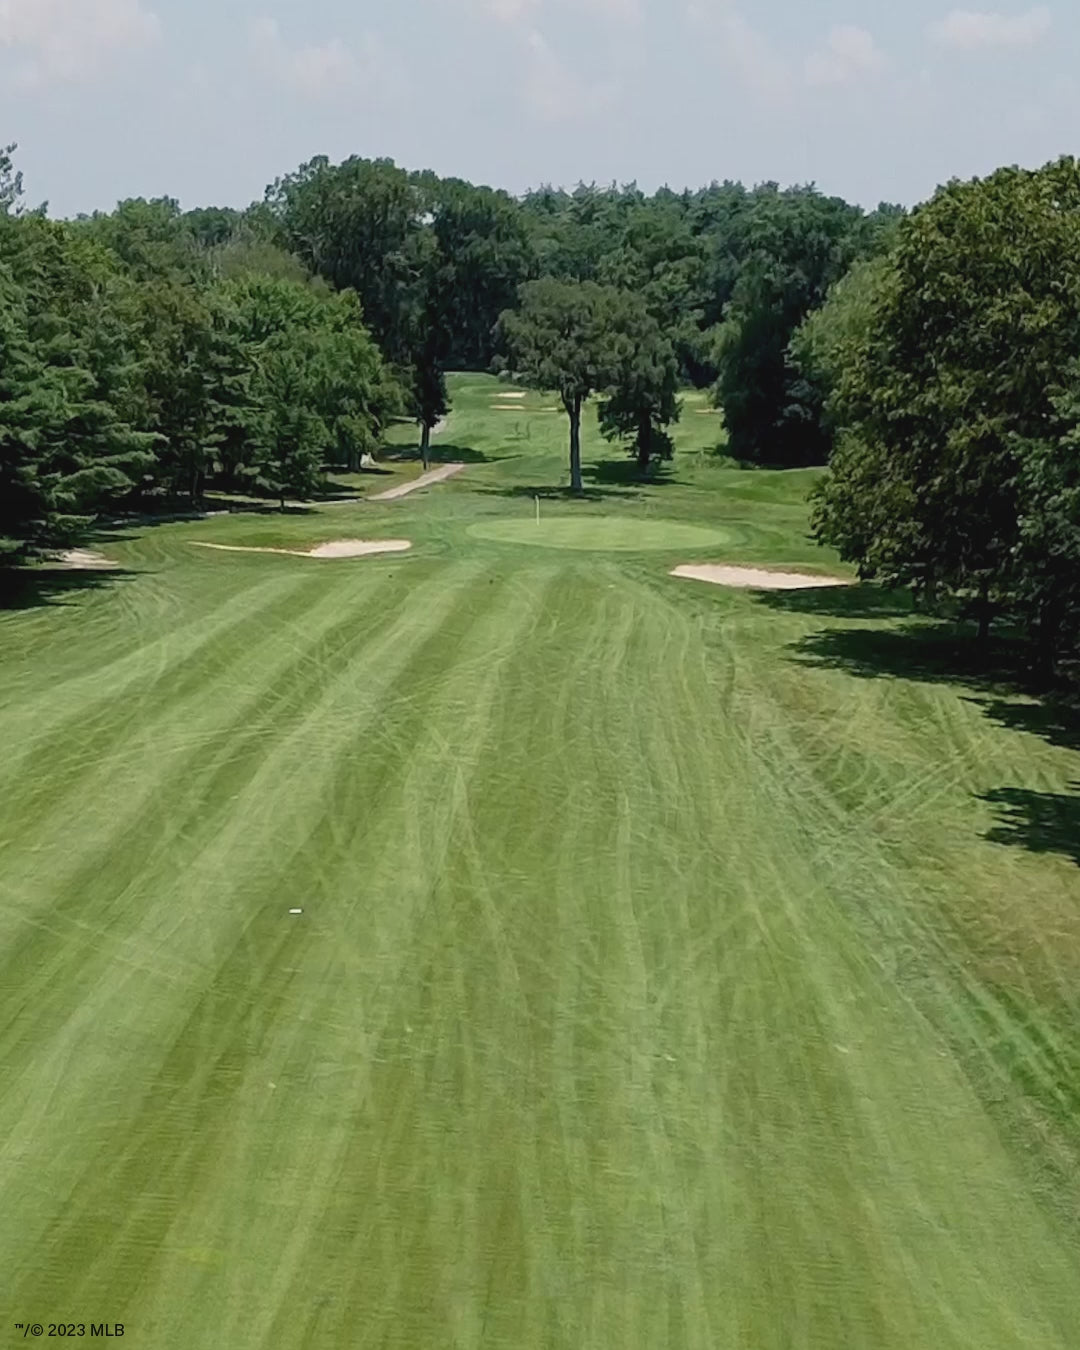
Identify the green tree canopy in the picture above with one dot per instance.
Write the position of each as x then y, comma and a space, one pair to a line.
802, 243
579, 339
953, 397
641, 399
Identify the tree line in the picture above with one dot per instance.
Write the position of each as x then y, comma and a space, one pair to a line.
949, 369
708, 287
148, 353
932, 358
144, 353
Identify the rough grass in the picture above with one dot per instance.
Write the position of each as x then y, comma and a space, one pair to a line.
677, 967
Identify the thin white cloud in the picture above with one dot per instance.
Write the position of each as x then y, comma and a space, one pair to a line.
850, 53
554, 93
59, 41
746, 50
548, 88
315, 70
508, 11
974, 30
525, 12
618, 11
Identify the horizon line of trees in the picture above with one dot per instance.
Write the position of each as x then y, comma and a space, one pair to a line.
149, 353
931, 358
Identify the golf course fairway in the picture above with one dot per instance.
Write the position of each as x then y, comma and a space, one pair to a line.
604, 534
668, 972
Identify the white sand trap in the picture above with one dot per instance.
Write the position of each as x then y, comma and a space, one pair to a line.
756, 578
85, 560
338, 548
359, 548
520, 395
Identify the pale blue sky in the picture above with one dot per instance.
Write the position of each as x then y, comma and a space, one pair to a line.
209, 100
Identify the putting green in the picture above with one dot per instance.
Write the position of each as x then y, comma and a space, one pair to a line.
603, 533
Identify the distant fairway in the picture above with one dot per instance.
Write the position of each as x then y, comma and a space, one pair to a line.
656, 984
606, 534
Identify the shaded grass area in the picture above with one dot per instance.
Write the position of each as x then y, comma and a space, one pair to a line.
997, 679
1044, 822
29, 587
662, 978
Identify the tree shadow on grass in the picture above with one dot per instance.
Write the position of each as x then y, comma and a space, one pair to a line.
1041, 822
626, 473
1000, 677
441, 453
211, 506
1003, 686
862, 601
33, 587
931, 651
332, 488
546, 492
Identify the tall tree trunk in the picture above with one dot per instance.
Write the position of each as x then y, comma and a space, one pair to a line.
644, 442
576, 484
985, 613
1047, 634
425, 444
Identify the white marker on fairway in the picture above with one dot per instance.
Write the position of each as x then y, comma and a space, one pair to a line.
296, 911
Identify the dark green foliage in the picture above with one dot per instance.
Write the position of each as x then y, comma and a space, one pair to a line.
956, 396
582, 338
70, 385
11, 182
212, 226
176, 329
557, 339
26, 395
315, 345
727, 273
1046, 559
289, 438
483, 253
641, 400
359, 225
821, 347
146, 353
152, 240
429, 402
366, 225
801, 244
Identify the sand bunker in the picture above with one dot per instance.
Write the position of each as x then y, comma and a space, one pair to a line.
338, 548
85, 560
757, 578
519, 395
